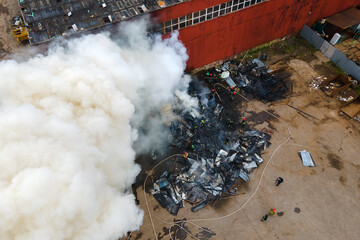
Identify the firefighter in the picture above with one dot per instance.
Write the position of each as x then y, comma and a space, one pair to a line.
230, 122
243, 122
272, 212
232, 94
265, 217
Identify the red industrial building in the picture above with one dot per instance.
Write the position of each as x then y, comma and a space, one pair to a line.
210, 29
216, 29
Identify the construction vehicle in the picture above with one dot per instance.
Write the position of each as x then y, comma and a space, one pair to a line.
18, 30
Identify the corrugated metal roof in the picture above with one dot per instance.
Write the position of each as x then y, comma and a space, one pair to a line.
47, 19
345, 19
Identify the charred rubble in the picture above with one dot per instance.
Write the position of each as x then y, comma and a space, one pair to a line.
203, 180
253, 77
220, 149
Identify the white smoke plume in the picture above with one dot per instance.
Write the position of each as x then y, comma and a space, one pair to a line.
68, 121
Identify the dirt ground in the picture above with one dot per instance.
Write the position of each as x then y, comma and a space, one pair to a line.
322, 202
351, 48
8, 44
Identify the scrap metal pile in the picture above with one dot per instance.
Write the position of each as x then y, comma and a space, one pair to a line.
220, 152
204, 180
220, 149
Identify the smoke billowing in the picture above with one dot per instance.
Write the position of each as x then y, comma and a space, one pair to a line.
68, 122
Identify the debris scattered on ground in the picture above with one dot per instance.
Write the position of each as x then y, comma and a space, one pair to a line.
257, 79
341, 87
220, 151
306, 159
334, 85
348, 99
204, 180
316, 83
348, 95
253, 77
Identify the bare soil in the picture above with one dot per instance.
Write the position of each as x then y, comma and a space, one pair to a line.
8, 44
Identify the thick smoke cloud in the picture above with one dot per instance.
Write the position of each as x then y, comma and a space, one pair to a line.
68, 121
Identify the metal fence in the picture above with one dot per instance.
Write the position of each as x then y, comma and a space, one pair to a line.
331, 52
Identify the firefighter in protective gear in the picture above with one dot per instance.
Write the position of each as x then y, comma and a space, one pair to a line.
243, 122
265, 217
272, 212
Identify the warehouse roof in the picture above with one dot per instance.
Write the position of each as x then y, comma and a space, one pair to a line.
47, 19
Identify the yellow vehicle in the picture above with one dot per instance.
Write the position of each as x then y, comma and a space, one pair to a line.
18, 30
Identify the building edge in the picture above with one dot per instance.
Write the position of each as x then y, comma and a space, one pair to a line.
228, 35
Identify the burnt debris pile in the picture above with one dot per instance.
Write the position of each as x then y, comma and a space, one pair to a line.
253, 77
203, 180
220, 148
220, 152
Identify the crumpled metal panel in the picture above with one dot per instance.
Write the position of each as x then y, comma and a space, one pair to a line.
250, 166
306, 159
244, 175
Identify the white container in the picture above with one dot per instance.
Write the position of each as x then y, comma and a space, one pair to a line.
335, 39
